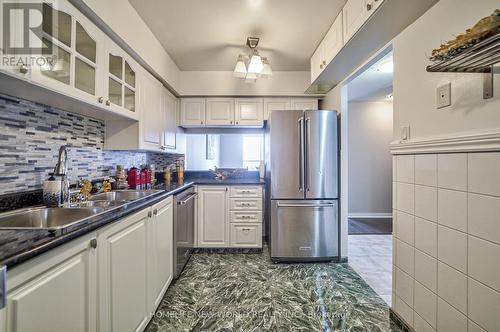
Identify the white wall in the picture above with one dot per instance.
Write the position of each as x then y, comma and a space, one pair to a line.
222, 83
370, 160
415, 89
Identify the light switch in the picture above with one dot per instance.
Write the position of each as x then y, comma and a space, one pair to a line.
405, 133
443, 96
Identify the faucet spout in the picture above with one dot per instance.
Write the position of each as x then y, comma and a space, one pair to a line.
61, 166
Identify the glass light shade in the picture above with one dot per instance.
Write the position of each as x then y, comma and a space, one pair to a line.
266, 69
255, 66
251, 78
240, 70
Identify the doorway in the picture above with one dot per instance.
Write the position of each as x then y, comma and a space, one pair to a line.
369, 183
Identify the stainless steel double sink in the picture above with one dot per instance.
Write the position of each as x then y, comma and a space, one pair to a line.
59, 218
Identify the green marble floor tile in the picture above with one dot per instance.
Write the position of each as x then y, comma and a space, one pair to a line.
255, 319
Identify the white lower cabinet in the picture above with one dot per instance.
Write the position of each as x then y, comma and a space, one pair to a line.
54, 292
123, 275
229, 216
162, 254
135, 260
246, 235
213, 226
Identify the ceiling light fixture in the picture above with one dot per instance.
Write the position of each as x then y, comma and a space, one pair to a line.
252, 66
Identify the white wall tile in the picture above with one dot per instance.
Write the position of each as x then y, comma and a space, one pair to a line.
484, 173
484, 259
452, 248
405, 257
405, 197
405, 229
426, 202
484, 217
449, 319
426, 270
420, 325
452, 287
452, 209
405, 168
404, 286
473, 327
426, 169
404, 310
426, 236
425, 304
452, 171
484, 306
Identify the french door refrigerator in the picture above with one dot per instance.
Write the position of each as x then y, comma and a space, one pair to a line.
301, 152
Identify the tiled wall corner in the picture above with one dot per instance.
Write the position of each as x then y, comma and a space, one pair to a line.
447, 241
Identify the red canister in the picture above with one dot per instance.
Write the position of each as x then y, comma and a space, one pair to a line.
134, 178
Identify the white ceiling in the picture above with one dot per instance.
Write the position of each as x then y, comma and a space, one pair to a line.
373, 84
209, 34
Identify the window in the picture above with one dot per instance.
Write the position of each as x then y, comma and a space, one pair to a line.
252, 151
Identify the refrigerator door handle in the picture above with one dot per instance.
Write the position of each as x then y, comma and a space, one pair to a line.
291, 205
300, 124
307, 142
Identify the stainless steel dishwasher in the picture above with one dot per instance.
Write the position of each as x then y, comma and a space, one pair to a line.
184, 217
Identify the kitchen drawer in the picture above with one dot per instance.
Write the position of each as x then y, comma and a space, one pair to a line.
245, 191
245, 204
246, 216
246, 235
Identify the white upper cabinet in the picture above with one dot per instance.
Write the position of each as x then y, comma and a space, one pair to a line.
329, 47
249, 111
220, 111
354, 14
304, 104
152, 116
120, 83
275, 104
333, 41
192, 112
72, 45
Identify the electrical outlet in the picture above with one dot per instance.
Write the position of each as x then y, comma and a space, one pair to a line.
443, 96
405, 133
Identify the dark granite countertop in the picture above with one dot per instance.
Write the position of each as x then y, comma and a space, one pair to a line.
18, 246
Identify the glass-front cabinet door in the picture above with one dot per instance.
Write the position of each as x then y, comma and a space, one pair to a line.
70, 62
121, 92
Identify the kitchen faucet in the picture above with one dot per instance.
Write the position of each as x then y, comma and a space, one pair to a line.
61, 170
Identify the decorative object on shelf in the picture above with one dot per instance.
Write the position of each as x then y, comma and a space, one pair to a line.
476, 51
485, 28
152, 170
253, 66
167, 174
180, 171
86, 188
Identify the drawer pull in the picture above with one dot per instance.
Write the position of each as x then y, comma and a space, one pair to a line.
245, 229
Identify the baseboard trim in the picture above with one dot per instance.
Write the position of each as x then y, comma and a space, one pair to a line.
475, 142
369, 215
399, 321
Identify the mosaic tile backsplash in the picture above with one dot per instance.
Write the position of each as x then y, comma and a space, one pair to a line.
30, 137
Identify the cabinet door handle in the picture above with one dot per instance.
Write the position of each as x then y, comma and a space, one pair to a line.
201, 122
155, 212
324, 63
108, 103
23, 69
100, 100
369, 6
150, 214
93, 243
3, 286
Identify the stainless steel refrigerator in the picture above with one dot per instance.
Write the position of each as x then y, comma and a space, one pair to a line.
301, 152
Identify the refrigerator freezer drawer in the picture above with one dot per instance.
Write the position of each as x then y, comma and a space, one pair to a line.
304, 229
